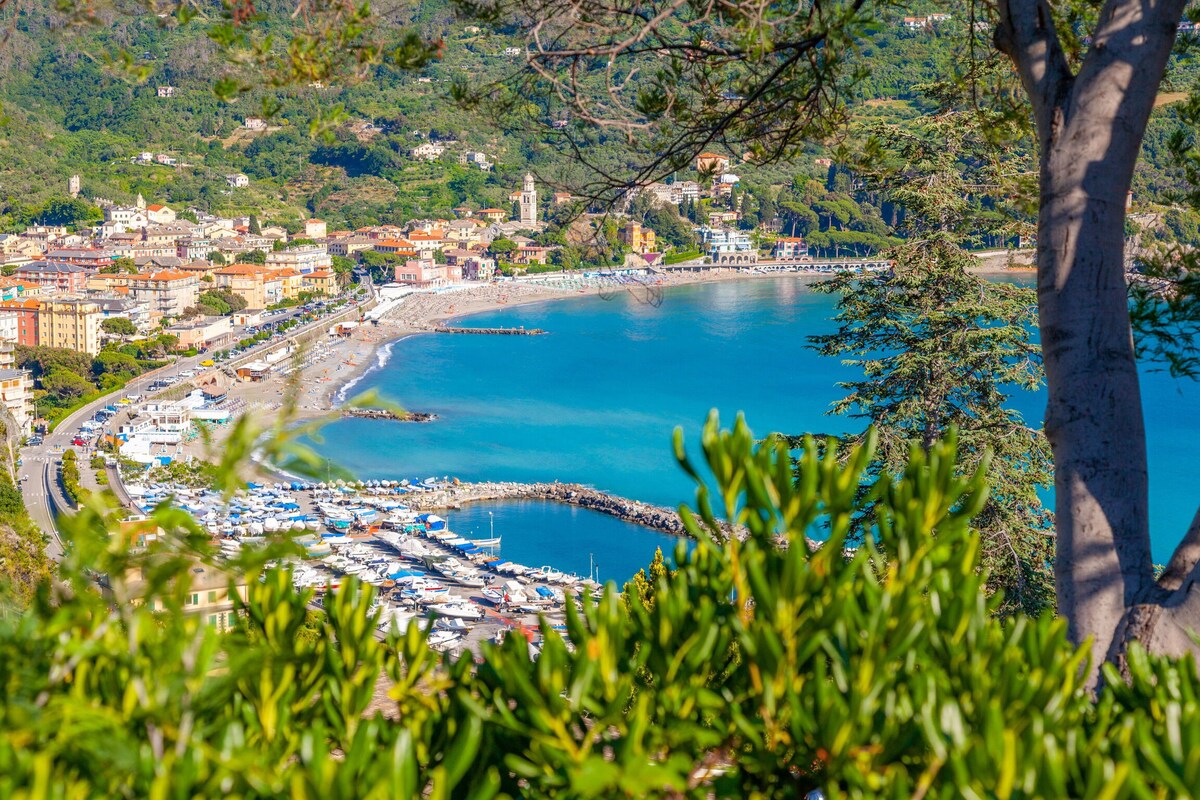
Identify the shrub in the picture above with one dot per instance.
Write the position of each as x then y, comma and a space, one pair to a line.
765, 666
69, 474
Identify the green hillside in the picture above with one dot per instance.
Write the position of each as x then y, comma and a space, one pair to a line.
69, 110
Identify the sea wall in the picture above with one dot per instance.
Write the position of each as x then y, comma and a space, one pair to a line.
657, 518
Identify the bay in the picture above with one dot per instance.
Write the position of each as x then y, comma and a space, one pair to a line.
596, 399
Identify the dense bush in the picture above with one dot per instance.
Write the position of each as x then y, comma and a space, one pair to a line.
119, 326
67, 378
764, 667
69, 475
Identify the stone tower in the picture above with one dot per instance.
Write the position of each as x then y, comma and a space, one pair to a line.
529, 207
73, 186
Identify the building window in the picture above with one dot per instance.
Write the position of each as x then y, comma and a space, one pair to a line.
212, 619
212, 597
195, 600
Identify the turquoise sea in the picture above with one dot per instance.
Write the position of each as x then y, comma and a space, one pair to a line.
596, 399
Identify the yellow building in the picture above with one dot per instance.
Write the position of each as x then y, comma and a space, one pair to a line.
258, 286
210, 595
639, 239
70, 323
103, 283
291, 282
201, 269
322, 281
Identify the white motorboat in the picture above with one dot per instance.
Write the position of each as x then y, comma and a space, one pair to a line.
514, 593
459, 609
492, 595
444, 639
471, 580
547, 574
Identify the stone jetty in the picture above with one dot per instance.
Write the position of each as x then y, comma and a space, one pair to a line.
659, 518
383, 413
491, 331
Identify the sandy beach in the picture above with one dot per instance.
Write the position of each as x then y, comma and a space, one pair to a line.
331, 365
329, 369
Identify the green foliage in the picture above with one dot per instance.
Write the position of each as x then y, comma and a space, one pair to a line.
766, 666
68, 379
118, 326
68, 474
24, 566
63, 384
64, 211
220, 302
196, 474
110, 362
10, 500
642, 585
676, 258
942, 348
502, 247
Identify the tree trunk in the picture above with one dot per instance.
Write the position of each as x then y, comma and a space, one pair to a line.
1090, 127
1094, 413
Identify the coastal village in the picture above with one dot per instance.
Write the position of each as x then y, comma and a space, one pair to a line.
541, 400
159, 268
304, 311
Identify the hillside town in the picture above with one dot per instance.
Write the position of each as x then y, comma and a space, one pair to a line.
198, 277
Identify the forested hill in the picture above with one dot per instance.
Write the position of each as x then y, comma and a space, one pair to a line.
69, 110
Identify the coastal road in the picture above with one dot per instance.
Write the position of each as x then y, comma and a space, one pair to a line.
38, 473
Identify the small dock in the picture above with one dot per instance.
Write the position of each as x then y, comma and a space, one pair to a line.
492, 331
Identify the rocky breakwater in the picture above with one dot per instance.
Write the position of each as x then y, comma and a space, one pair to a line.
659, 518
383, 413
491, 331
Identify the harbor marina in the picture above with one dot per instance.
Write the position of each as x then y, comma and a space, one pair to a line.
460, 588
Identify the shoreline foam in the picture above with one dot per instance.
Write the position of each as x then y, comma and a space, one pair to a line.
382, 355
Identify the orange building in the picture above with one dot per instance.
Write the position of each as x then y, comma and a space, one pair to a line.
27, 319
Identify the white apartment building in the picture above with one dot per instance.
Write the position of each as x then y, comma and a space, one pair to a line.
303, 258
